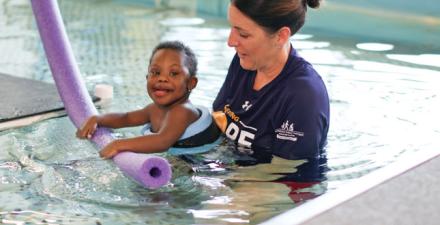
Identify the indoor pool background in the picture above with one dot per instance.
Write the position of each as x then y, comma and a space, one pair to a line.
384, 102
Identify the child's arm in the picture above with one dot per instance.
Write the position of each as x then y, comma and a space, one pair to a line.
113, 120
174, 125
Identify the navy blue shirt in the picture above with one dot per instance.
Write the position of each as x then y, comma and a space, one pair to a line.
289, 117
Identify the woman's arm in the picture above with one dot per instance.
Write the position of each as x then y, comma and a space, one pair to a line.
303, 121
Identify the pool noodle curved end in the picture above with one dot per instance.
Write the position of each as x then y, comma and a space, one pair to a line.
150, 171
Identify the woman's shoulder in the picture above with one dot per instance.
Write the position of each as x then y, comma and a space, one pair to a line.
299, 66
300, 72
302, 81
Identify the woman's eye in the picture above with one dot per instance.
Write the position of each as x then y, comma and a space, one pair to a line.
243, 35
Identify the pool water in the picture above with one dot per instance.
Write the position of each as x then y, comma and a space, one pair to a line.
384, 102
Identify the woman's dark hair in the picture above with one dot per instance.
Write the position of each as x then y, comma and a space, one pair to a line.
190, 58
275, 14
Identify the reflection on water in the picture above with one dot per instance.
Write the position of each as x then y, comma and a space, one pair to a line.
383, 101
423, 59
375, 46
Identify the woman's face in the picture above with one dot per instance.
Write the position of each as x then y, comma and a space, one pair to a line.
253, 44
168, 79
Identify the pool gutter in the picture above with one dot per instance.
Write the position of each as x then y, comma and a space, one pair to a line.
384, 196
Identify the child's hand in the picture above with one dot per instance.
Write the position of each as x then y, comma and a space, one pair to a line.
109, 151
88, 128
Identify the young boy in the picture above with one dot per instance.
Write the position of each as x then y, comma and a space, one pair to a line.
170, 79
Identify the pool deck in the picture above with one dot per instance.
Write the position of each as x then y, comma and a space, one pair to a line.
25, 101
405, 192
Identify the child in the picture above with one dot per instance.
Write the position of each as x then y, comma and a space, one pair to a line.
170, 79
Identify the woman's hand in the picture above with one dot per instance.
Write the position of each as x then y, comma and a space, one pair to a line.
110, 150
88, 128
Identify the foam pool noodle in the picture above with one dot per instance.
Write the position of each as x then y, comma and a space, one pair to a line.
148, 170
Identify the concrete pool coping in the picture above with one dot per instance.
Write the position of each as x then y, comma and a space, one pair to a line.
26, 101
404, 192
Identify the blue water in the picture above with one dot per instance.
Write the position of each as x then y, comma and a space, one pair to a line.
384, 102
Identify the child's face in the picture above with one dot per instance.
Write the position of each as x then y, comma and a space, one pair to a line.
168, 79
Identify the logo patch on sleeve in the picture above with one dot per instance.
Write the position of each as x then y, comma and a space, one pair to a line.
287, 132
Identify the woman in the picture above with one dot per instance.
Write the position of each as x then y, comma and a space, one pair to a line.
272, 100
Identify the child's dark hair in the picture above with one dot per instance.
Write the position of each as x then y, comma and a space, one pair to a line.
190, 58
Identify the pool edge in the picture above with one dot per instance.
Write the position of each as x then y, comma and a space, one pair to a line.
315, 208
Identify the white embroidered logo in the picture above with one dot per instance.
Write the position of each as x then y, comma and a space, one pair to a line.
246, 106
287, 132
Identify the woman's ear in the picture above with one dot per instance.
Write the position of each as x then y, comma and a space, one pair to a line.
192, 83
283, 35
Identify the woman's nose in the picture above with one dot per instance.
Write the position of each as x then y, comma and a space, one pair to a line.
232, 42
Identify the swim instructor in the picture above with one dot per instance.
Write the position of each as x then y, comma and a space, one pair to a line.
272, 99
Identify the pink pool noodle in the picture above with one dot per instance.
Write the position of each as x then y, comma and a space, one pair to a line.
150, 171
